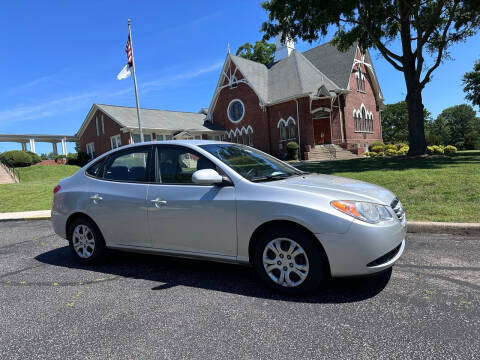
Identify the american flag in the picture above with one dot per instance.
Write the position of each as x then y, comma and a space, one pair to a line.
128, 50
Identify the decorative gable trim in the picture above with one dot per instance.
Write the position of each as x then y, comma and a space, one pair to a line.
89, 118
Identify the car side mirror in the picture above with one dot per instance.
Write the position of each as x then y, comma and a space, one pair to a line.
207, 177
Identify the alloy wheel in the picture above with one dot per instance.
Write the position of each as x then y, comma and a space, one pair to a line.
285, 262
83, 241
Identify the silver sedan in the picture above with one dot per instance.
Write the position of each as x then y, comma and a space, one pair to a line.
231, 203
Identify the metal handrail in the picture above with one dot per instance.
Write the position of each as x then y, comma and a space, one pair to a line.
12, 171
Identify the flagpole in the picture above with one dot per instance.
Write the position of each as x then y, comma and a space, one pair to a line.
135, 82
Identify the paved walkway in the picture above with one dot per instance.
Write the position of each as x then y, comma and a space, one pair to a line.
5, 177
24, 215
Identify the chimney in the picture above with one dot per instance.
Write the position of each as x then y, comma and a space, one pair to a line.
283, 49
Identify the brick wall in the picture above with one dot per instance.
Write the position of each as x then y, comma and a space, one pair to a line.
102, 141
354, 100
254, 115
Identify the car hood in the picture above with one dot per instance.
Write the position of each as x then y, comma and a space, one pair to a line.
336, 187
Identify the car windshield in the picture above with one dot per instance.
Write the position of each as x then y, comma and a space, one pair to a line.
252, 164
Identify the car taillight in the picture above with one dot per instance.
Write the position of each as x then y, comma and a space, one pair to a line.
56, 189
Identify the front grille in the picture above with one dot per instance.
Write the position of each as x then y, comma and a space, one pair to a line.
385, 258
398, 209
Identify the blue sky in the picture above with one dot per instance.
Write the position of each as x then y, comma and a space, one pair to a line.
59, 57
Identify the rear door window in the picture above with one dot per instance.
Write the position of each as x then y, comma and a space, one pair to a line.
130, 166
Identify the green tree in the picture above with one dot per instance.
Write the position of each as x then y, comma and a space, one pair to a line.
261, 52
471, 82
395, 122
459, 120
422, 26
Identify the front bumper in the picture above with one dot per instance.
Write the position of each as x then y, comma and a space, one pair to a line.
365, 248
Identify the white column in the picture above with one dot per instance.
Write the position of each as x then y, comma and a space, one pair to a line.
64, 147
32, 145
24, 146
54, 148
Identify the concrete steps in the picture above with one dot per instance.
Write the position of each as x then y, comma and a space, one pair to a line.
5, 176
330, 152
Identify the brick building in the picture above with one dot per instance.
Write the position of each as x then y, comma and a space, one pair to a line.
326, 96
318, 97
107, 127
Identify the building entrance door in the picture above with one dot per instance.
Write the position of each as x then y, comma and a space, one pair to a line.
321, 131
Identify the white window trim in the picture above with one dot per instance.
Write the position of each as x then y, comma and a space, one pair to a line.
228, 111
103, 126
96, 126
90, 149
368, 119
118, 142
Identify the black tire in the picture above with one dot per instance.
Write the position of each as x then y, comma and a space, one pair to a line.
317, 261
97, 251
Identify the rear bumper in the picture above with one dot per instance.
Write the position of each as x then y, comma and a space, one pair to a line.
365, 248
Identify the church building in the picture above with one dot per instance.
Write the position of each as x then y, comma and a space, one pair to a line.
318, 97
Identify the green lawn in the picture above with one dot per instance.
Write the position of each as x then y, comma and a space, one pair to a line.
431, 189
35, 190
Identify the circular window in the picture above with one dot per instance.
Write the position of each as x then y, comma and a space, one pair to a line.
235, 111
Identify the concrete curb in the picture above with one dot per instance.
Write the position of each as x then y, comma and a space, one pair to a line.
443, 228
26, 215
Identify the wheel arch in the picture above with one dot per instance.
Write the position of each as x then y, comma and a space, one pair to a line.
276, 223
75, 216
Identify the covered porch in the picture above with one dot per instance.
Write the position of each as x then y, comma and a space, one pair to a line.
32, 139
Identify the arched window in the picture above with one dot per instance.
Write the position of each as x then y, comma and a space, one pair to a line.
283, 132
244, 138
364, 120
291, 128
360, 78
250, 136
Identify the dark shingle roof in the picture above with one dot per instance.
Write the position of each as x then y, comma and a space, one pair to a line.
334, 64
291, 76
158, 119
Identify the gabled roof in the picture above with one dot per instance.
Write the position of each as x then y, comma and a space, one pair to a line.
256, 74
295, 75
152, 119
292, 76
336, 65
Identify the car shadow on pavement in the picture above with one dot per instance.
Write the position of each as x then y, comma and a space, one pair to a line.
236, 279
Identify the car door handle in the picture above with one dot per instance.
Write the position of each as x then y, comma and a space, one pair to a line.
158, 202
96, 198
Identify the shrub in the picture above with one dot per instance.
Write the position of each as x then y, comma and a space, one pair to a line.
371, 153
403, 150
81, 159
435, 150
35, 157
450, 149
380, 154
292, 150
401, 145
60, 158
377, 149
391, 152
390, 147
16, 158
472, 141
374, 144
44, 156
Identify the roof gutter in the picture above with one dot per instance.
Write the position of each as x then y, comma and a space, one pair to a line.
298, 96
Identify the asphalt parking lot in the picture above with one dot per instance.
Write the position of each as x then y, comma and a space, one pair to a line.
142, 306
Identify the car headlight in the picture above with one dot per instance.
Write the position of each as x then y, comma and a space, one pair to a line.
365, 211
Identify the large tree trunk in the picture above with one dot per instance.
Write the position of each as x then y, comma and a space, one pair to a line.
416, 121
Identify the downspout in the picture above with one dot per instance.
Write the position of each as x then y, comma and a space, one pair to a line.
331, 112
341, 116
298, 130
